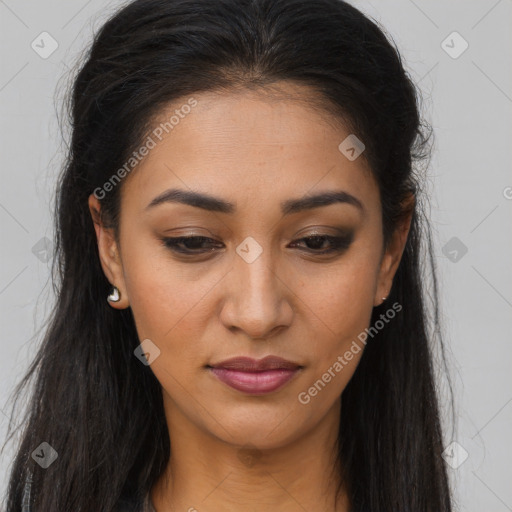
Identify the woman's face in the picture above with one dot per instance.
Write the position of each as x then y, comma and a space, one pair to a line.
253, 286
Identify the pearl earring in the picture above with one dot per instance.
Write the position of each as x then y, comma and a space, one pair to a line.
115, 296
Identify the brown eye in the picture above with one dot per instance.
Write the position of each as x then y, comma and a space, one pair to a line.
324, 244
189, 244
196, 245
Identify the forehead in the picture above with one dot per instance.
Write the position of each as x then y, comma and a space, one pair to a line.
247, 146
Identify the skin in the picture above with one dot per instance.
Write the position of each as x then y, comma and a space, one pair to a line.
230, 450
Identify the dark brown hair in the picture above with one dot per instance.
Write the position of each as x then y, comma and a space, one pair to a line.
93, 401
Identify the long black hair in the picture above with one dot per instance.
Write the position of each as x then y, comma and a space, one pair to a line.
92, 400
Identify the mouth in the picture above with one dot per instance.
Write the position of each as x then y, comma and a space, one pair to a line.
255, 376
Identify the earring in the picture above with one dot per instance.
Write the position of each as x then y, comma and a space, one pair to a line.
115, 296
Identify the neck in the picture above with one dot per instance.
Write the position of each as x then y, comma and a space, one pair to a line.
207, 474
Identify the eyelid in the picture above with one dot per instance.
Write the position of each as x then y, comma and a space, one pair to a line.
339, 243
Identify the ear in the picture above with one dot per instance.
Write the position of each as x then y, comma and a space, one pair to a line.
394, 250
109, 254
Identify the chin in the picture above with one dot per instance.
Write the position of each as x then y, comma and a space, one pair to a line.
258, 433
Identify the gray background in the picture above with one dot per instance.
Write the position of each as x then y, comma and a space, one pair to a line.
468, 100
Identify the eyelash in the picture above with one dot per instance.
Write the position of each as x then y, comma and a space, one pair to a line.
339, 244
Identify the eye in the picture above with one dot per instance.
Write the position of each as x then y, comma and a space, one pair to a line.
337, 243
195, 245
188, 244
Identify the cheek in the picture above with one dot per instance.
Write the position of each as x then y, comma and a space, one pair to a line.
339, 306
165, 297
342, 299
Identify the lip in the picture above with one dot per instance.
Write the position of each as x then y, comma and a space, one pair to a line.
255, 376
248, 364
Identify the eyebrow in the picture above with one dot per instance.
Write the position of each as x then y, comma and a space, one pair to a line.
215, 204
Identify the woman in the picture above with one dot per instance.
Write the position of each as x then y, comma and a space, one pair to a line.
242, 184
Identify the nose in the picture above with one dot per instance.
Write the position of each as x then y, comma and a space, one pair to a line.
257, 300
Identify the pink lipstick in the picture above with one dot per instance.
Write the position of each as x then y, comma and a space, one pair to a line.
255, 376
